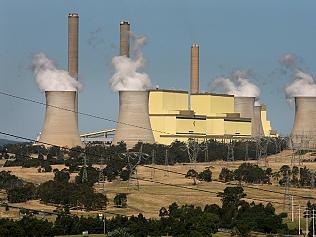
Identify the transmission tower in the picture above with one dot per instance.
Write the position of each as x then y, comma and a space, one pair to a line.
286, 201
204, 148
246, 151
262, 150
313, 181
166, 163
153, 156
101, 174
133, 160
84, 171
230, 150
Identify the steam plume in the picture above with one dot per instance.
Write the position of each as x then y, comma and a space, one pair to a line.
128, 74
237, 84
49, 78
303, 84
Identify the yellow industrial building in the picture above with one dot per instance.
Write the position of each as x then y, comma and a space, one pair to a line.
210, 116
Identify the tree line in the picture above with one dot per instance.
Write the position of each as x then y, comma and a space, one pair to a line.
235, 214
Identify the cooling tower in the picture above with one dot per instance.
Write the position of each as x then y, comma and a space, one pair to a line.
304, 129
245, 106
257, 127
60, 125
124, 38
194, 69
133, 111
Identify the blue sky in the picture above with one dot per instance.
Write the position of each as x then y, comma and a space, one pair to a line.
232, 35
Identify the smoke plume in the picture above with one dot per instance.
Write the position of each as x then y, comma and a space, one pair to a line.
236, 84
128, 71
49, 78
303, 84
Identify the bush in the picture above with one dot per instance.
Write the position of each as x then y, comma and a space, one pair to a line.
205, 175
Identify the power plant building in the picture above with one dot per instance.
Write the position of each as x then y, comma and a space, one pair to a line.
211, 116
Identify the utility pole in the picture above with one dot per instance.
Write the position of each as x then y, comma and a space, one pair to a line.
313, 222
307, 217
292, 208
299, 219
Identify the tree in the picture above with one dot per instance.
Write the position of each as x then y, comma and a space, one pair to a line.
61, 176
231, 200
120, 200
226, 175
192, 174
205, 175
120, 232
21, 194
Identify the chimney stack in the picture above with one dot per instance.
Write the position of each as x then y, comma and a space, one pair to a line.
124, 38
73, 21
194, 68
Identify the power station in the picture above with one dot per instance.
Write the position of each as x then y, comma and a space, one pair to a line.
155, 116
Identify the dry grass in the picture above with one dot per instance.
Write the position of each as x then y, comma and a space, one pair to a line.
151, 197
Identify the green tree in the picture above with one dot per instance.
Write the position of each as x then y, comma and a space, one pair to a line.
120, 200
192, 174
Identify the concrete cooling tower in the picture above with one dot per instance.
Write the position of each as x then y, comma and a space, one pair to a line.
304, 129
257, 122
133, 111
60, 125
245, 106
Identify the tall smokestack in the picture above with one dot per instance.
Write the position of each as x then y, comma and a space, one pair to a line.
133, 111
246, 107
60, 125
73, 23
194, 68
304, 128
124, 38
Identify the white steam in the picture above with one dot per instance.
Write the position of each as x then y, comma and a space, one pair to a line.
128, 75
237, 84
303, 84
49, 78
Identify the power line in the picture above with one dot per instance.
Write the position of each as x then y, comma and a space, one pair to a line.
87, 153
77, 112
204, 190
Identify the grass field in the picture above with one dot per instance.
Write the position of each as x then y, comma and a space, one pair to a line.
151, 196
